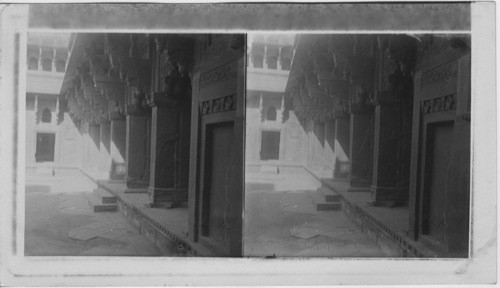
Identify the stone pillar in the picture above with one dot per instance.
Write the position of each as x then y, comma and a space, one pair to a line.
105, 165
164, 185
360, 151
137, 151
391, 153
117, 149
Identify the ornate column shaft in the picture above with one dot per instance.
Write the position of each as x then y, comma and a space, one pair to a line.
137, 151
361, 142
163, 186
393, 122
170, 121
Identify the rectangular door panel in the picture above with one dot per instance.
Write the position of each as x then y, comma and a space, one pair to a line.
220, 157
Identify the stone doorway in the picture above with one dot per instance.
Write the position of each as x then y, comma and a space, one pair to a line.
45, 144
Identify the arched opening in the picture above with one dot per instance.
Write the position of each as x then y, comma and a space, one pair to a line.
46, 116
271, 114
33, 63
47, 64
60, 65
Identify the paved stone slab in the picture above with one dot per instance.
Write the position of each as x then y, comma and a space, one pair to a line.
62, 224
286, 224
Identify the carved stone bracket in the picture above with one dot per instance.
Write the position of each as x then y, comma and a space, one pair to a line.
361, 101
341, 109
161, 99
125, 63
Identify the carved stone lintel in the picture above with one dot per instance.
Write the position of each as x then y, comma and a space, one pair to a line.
440, 104
218, 105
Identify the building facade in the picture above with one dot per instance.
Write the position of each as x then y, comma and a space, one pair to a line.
51, 136
275, 139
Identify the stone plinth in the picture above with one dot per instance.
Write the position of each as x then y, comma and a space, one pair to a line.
117, 149
137, 150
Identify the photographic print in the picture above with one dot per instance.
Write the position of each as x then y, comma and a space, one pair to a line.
248, 144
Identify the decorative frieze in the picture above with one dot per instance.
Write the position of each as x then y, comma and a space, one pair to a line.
223, 104
440, 74
445, 103
224, 73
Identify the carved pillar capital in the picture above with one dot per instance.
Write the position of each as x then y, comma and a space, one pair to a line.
160, 99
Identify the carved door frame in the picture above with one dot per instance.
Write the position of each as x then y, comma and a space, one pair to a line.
219, 92
431, 111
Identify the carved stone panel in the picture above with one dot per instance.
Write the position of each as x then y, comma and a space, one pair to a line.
219, 105
439, 81
219, 82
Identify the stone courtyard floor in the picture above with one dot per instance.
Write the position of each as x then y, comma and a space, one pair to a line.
59, 222
280, 220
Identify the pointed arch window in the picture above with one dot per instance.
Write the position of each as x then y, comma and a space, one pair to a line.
46, 116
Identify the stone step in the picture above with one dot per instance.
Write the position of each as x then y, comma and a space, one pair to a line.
269, 169
45, 171
319, 202
105, 196
97, 206
328, 194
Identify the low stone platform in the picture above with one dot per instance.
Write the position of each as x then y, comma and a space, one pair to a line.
387, 226
161, 226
